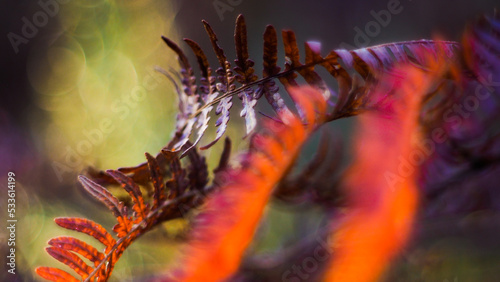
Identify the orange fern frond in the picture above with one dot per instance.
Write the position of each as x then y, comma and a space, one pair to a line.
383, 201
132, 220
226, 227
55, 274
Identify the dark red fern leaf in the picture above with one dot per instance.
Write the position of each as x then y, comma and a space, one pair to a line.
268, 88
306, 70
188, 79
471, 141
173, 194
140, 174
219, 52
270, 57
198, 171
226, 78
157, 179
244, 66
103, 195
134, 191
313, 57
351, 98
178, 182
245, 74
202, 63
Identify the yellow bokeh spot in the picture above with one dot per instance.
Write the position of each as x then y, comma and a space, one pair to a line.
96, 81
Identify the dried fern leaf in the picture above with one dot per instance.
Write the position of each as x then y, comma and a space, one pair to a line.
352, 93
103, 195
157, 179
167, 199
134, 191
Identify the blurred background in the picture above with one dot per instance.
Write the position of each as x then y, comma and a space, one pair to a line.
79, 89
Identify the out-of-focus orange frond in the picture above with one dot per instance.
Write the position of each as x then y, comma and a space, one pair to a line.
226, 227
383, 201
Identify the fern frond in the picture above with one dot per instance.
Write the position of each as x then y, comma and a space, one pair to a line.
226, 226
467, 147
351, 97
482, 48
55, 274
381, 202
181, 187
77, 246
